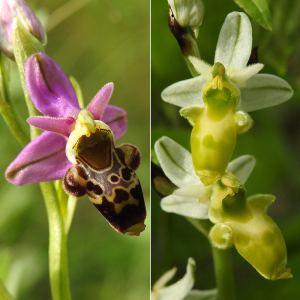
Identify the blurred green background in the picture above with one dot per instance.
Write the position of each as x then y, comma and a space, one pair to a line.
274, 140
105, 41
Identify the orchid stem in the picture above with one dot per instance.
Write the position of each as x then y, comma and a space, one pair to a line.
58, 263
224, 273
72, 202
13, 124
222, 263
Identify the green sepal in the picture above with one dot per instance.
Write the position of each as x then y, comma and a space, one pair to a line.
78, 91
191, 113
4, 77
24, 45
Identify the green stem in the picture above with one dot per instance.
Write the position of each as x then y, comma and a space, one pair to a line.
58, 263
4, 295
25, 45
72, 202
224, 273
13, 124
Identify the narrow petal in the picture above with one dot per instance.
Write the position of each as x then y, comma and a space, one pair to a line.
186, 92
235, 41
163, 280
264, 90
201, 67
43, 159
49, 87
179, 289
116, 118
63, 126
239, 77
98, 104
242, 167
176, 162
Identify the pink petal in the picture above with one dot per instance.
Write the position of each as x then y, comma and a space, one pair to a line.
116, 118
49, 87
43, 159
98, 104
63, 126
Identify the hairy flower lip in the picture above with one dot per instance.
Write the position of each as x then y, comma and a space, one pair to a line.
54, 96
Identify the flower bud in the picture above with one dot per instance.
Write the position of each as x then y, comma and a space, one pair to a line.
10, 10
188, 13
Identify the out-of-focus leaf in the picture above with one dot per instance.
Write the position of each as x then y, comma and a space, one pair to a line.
258, 10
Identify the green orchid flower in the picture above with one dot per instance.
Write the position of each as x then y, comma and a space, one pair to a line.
216, 102
233, 51
192, 198
235, 219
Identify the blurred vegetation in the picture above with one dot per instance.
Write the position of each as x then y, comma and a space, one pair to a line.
105, 41
274, 140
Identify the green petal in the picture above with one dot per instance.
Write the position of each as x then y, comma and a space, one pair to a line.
235, 41
264, 90
186, 92
176, 162
242, 167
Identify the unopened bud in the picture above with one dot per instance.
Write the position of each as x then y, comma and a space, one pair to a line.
10, 10
188, 13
